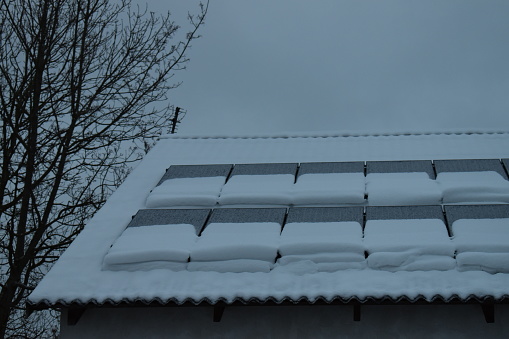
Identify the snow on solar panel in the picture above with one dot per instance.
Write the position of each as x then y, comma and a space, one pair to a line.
270, 189
149, 247
415, 244
329, 188
392, 189
482, 244
320, 237
321, 246
480, 187
200, 191
231, 247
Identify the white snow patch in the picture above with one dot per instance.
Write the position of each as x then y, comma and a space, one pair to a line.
414, 244
483, 244
329, 188
148, 266
143, 244
321, 247
410, 261
426, 236
320, 237
229, 241
481, 187
390, 189
200, 191
481, 235
302, 267
322, 257
479, 261
235, 266
274, 189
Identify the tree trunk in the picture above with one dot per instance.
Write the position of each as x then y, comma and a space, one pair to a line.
6, 297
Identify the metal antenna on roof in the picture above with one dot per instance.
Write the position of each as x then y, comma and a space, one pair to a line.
175, 120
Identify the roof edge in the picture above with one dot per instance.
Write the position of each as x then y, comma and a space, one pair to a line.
320, 300
334, 134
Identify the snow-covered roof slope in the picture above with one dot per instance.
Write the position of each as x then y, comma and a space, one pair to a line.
80, 274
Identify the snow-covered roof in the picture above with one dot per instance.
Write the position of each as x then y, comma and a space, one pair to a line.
296, 197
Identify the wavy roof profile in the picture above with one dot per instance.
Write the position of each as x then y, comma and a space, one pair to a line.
79, 276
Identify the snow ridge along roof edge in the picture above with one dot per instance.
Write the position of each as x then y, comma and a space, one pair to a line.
340, 134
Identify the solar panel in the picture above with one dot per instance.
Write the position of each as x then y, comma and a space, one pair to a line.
475, 165
264, 169
195, 171
404, 212
400, 167
331, 167
195, 217
505, 162
325, 214
456, 212
243, 215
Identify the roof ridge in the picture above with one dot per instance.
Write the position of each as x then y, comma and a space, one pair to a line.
339, 134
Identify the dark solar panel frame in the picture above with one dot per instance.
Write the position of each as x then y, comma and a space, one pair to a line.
265, 169
505, 163
148, 217
196, 171
404, 212
456, 212
245, 215
331, 167
325, 214
473, 165
425, 166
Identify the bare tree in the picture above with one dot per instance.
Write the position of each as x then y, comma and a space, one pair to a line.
81, 87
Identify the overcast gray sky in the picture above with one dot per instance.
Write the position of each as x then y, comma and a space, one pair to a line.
335, 65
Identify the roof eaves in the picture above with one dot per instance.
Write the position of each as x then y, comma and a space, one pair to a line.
271, 301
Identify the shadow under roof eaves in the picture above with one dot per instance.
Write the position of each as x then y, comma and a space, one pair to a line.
331, 167
325, 214
467, 165
457, 212
264, 169
195, 171
148, 217
424, 166
404, 212
244, 215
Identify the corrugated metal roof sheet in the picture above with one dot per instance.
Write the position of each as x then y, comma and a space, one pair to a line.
320, 300
77, 278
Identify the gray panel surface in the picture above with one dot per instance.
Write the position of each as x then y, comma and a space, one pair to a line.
401, 167
456, 212
195, 217
331, 167
325, 214
240, 215
470, 165
196, 171
404, 212
263, 169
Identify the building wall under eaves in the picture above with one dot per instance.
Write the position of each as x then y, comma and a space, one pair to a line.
315, 321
